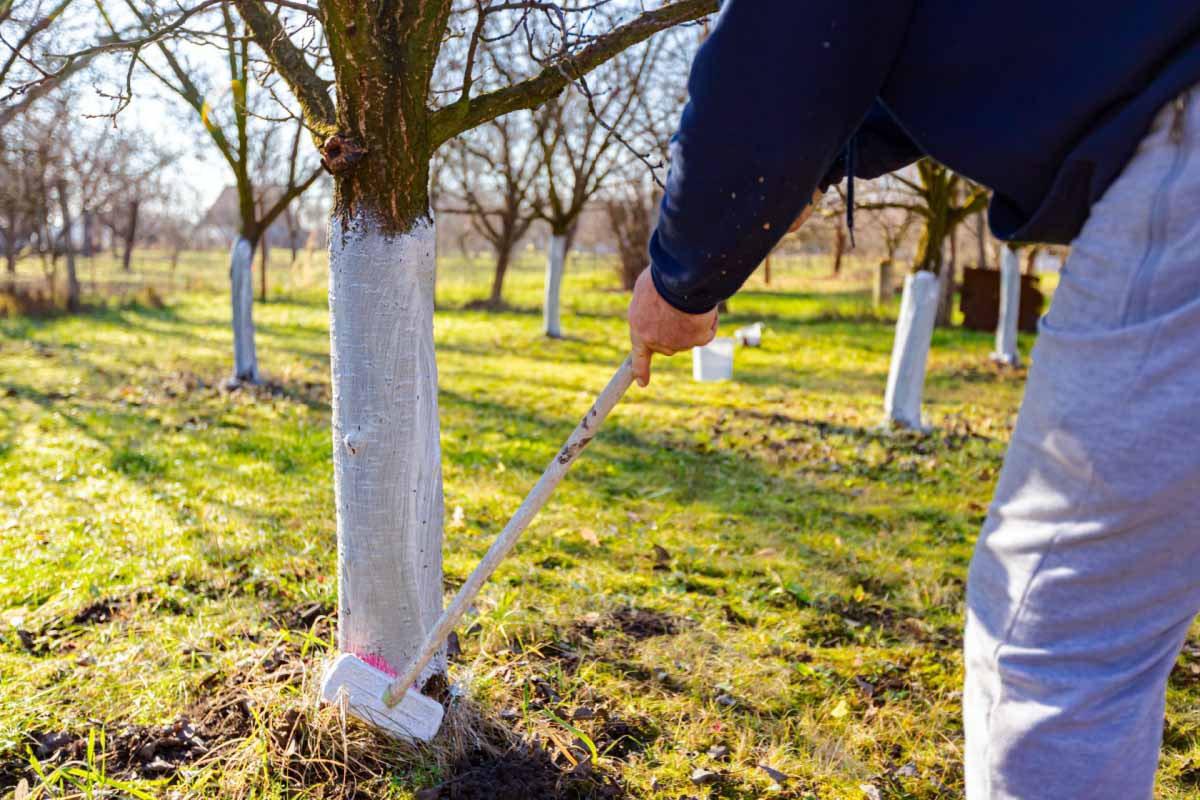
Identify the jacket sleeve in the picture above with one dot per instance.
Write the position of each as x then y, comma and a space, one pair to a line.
774, 94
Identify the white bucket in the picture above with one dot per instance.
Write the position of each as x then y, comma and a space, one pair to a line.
713, 361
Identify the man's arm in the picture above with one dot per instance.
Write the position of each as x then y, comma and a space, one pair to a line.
775, 93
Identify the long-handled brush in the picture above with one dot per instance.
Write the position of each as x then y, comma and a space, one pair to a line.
394, 705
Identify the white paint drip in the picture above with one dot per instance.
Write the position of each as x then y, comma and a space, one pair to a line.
386, 448
241, 286
1010, 308
551, 305
910, 350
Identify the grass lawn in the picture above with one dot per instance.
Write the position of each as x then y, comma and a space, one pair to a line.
738, 582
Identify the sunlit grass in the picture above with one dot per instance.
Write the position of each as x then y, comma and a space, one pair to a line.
804, 569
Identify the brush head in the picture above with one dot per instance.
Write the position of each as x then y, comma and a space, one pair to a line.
360, 686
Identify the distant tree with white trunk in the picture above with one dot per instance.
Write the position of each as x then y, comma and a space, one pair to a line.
942, 200
378, 138
231, 119
579, 133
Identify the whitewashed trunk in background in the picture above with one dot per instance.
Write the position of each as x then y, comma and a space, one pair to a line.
555, 266
241, 283
387, 461
1010, 309
910, 350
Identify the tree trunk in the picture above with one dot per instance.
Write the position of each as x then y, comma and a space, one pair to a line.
69, 247
556, 259
503, 254
910, 350
981, 237
386, 451
839, 249
1007, 352
947, 279
241, 282
767, 270
882, 289
86, 246
130, 234
264, 249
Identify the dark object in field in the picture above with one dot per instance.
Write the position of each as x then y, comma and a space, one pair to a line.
980, 302
522, 774
636, 623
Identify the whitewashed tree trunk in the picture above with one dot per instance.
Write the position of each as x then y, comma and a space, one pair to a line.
386, 449
1010, 309
241, 283
555, 266
910, 350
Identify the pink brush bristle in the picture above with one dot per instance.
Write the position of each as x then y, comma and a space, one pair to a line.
378, 663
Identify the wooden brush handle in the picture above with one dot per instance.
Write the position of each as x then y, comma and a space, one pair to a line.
500, 548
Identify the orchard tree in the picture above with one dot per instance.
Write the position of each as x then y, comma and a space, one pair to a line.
229, 119
488, 175
579, 134
377, 131
942, 200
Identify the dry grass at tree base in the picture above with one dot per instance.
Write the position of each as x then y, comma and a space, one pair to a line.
743, 590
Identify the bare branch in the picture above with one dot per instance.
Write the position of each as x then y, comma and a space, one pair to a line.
467, 113
310, 89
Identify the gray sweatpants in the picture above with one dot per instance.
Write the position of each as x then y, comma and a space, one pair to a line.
1086, 576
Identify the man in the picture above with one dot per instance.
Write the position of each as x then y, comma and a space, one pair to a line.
1081, 116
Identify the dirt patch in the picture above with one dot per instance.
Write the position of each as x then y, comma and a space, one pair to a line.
316, 617
100, 611
620, 738
522, 774
636, 623
133, 751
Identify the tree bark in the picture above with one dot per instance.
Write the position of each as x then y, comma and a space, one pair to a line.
263, 249
241, 282
386, 451
882, 289
69, 248
839, 249
556, 259
947, 278
910, 350
1010, 305
130, 235
503, 255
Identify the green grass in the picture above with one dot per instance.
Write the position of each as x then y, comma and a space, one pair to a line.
797, 573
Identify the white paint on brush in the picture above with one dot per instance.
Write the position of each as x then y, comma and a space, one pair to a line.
910, 350
555, 266
241, 285
386, 450
1010, 309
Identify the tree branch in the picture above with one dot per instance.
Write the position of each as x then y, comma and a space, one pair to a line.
467, 113
310, 89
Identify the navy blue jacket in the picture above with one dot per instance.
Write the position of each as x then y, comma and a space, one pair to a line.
1042, 101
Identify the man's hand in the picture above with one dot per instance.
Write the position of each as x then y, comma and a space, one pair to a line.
655, 326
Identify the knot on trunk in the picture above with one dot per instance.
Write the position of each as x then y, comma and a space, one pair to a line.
340, 153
